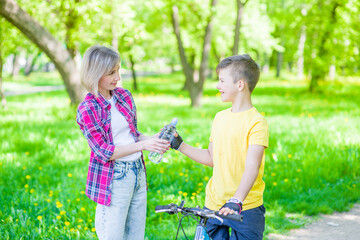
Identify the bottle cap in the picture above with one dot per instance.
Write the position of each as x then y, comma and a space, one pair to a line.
174, 122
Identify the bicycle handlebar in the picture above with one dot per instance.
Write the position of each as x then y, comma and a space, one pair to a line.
204, 213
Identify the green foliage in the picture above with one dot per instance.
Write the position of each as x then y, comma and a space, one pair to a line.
311, 165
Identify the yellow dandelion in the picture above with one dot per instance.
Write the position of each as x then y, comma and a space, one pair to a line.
62, 212
32, 190
185, 194
85, 228
78, 199
354, 185
289, 156
59, 205
310, 115
158, 191
39, 218
24, 168
93, 230
82, 209
274, 183
40, 168
79, 226
201, 184
180, 192
262, 113
296, 179
197, 144
286, 180
161, 170
68, 200
298, 170
35, 204
17, 220
58, 217
69, 175
26, 185
28, 177
192, 197
273, 174
48, 200
181, 174
27, 153
80, 220
67, 223
186, 175
71, 230
82, 192
90, 220
194, 194
206, 178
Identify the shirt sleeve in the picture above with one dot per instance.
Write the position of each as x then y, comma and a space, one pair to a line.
259, 133
94, 134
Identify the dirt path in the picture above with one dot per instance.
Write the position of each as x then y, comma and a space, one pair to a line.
338, 226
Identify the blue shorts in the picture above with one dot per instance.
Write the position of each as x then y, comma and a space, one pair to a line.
251, 228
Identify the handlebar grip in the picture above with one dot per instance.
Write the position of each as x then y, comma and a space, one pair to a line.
162, 207
171, 208
234, 217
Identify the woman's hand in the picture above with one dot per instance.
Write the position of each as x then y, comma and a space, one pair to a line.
155, 144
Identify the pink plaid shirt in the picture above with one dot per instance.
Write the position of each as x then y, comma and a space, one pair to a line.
94, 119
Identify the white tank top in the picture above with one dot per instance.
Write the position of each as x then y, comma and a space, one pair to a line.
121, 132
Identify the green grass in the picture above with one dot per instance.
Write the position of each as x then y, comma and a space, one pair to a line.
312, 164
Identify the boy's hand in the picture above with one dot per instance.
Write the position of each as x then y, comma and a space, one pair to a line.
232, 206
176, 142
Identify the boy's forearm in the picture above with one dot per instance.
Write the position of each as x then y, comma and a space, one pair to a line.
202, 156
253, 161
247, 182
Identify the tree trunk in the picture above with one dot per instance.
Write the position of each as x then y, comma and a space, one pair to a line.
133, 72
320, 68
54, 49
198, 90
32, 65
239, 16
301, 47
15, 65
2, 92
279, 62
187, 69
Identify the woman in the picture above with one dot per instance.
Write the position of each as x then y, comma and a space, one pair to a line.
117, 174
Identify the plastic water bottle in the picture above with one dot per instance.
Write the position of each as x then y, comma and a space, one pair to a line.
168, 134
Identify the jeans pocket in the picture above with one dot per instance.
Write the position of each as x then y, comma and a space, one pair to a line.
119, 172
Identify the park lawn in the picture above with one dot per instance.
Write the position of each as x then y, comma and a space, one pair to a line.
312, 163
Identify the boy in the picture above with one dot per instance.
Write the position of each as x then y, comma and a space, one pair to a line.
238, 140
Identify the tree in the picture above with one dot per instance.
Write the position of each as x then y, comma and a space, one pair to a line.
239, 15
2, 93
194, 83
54, 49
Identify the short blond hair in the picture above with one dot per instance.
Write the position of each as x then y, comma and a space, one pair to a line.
98, 60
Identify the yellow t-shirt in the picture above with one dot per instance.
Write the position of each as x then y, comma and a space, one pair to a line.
231, 135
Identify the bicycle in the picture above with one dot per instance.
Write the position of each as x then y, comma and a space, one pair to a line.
204, 214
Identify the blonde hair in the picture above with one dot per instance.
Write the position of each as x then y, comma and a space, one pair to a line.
97, 61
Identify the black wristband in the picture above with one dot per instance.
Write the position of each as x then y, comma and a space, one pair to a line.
176, 142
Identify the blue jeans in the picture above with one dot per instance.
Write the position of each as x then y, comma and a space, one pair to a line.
251, 228
125, 217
